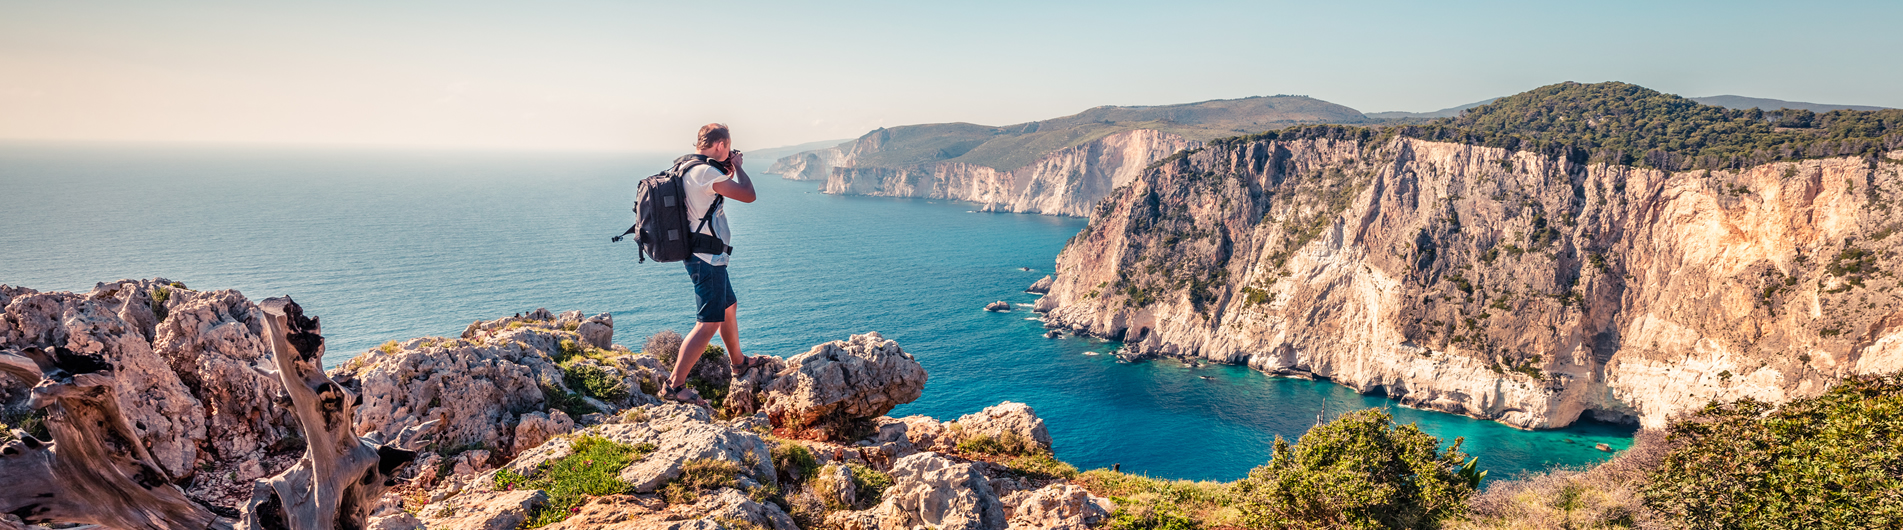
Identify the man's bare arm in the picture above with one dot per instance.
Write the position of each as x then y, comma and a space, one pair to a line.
739, 188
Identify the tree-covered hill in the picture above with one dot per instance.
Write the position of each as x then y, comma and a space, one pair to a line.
1620, 123
1013, 146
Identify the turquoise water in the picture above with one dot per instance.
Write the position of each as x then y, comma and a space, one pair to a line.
396, 245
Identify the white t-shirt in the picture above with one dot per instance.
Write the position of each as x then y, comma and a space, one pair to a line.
699, 185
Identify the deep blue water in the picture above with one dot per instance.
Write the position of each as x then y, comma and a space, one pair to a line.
394, 245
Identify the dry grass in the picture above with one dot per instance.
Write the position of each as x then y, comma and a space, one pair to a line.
1604, 496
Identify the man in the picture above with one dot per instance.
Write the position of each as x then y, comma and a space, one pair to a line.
713, 295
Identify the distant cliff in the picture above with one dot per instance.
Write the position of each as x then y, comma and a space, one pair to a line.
1059, 166
1067, 182
1514, 285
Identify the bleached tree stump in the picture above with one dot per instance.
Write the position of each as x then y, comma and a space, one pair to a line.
95, 470
340, 478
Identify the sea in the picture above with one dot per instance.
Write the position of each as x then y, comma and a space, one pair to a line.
392, 245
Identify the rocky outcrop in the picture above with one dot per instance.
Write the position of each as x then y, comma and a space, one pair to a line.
998, 306
484, 510
1502, 285
491, 385
1007, 422
934, 491
1007, 419
833, 385
183, 373
1041, 286
1056, 507
537, 427
1067, 182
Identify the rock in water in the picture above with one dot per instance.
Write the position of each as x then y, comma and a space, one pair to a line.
829, 388
1045, 304
998, 306
931, 490
1042, 286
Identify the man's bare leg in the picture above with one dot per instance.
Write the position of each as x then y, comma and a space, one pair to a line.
730, 334
691, 348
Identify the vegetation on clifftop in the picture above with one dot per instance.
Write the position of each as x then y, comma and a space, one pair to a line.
1830, 461
1625, 124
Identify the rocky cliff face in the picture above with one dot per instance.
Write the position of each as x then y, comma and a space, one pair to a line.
1065, 182
1501, 285
183, 360
809, 165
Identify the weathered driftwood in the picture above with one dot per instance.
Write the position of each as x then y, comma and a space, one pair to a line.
95, 470
341, 477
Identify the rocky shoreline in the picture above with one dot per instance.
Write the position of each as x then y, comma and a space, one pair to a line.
512, 403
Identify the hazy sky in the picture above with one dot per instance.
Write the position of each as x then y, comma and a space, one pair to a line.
643, 75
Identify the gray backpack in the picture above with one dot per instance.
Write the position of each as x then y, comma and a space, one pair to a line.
660, 216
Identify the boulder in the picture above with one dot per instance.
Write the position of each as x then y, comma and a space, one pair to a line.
1042, 286
717, 511
998, 306
1057, 507
1004, 419
598, 331
486, 386
931, 490
538, 427
395, 521
731, 505
838, 384
477, 389
618, 512
694, 441
483, 510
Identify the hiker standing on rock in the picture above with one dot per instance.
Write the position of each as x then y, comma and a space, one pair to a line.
705, 185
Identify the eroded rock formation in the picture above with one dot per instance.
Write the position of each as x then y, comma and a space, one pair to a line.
1502, 285
182, 374
828, 388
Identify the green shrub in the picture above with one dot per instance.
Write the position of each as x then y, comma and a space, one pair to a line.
793, 461
1830, 461
1359, 471
31, 421
593, 381
1042, 465
1151, 517
868, 484
700, 475
159, 296
1144, 502
568, 402
592, 468
1005, 444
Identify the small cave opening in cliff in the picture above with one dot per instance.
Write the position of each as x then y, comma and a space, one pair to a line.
1608, 416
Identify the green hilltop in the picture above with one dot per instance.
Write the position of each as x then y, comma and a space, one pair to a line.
1626, 124
1014, 146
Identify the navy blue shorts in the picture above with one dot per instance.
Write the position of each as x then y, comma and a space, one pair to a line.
712, 293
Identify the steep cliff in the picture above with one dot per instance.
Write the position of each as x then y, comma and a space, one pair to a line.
1506, 285
1066, 182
